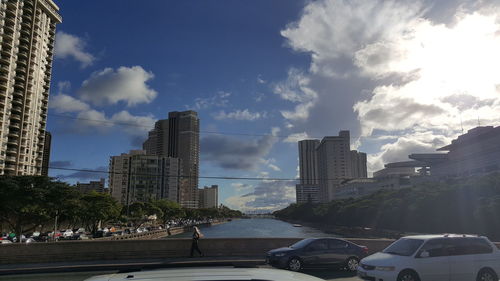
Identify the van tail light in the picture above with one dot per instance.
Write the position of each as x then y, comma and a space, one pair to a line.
365, 249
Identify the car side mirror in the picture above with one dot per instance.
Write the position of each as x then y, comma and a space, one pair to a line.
424, 254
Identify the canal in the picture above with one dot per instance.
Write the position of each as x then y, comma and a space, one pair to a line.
256, 228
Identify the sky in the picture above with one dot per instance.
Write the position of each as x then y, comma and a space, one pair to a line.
403, 76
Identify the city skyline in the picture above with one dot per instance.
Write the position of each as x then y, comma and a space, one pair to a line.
263, 86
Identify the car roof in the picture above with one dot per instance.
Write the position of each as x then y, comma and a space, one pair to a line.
207, 274
434, 236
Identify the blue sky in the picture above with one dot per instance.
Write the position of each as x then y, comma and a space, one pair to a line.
285, 69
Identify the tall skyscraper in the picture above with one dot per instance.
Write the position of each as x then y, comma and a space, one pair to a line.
46, 153
137, 177
27, 34
179, 137
209, 197
308, 188
336, 163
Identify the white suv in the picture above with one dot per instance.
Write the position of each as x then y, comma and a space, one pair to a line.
434, 258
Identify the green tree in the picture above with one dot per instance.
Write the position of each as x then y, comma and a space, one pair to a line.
97, 208
29, 201
169, 210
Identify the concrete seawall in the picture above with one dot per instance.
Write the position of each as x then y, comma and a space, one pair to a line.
151, 249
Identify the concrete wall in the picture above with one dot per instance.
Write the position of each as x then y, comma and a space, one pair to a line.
71, 251
67, 251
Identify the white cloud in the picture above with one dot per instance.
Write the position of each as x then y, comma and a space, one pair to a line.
220, 99
424, 142
125, 84
274, 167
62, 103
68, 45
240, 115
294, 138
296, 90
132, 124
402, 68
241, 187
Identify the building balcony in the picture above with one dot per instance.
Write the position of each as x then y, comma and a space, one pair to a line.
12, 142
4, 77
17, 109
14, 126
22, 62
11, 159
15, 117
22, 54
21, 69
12, 150
3, 85
17, 101
5, 60
9, 169
13, 134
8, 36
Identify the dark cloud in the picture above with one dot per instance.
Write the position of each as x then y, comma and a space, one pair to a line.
83, 175
233, 153
60, 164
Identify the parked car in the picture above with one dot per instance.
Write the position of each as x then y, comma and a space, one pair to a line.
313, 252
454, 257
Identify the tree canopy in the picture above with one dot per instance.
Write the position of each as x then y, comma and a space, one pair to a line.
469, 205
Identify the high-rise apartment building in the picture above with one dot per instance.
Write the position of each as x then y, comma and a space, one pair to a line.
46, 153
358, 165
27, 34
179, 137
209, 197
336, 163
308, 188
138, 177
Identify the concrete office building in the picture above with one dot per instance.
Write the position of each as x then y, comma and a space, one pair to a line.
46, 153
27, 33
209, 197
138, 177
97, 186
356, 188
474, 153
308, 188
178, 137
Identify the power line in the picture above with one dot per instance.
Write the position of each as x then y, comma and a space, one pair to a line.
174, 176
151, 127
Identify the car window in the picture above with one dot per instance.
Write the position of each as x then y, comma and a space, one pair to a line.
469, 246
404, 247
337, 244
301, 244
437, 247
318, 245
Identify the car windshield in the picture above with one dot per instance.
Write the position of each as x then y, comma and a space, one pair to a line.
301, 243
404, 247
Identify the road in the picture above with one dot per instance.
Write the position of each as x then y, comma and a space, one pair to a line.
80, 276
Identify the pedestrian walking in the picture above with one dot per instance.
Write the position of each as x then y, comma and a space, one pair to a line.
194, 245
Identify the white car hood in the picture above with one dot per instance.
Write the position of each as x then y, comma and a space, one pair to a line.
383, 259
206, 274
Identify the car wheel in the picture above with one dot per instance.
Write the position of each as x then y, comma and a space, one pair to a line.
352, 264
408, 275
294, 264
486, 275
